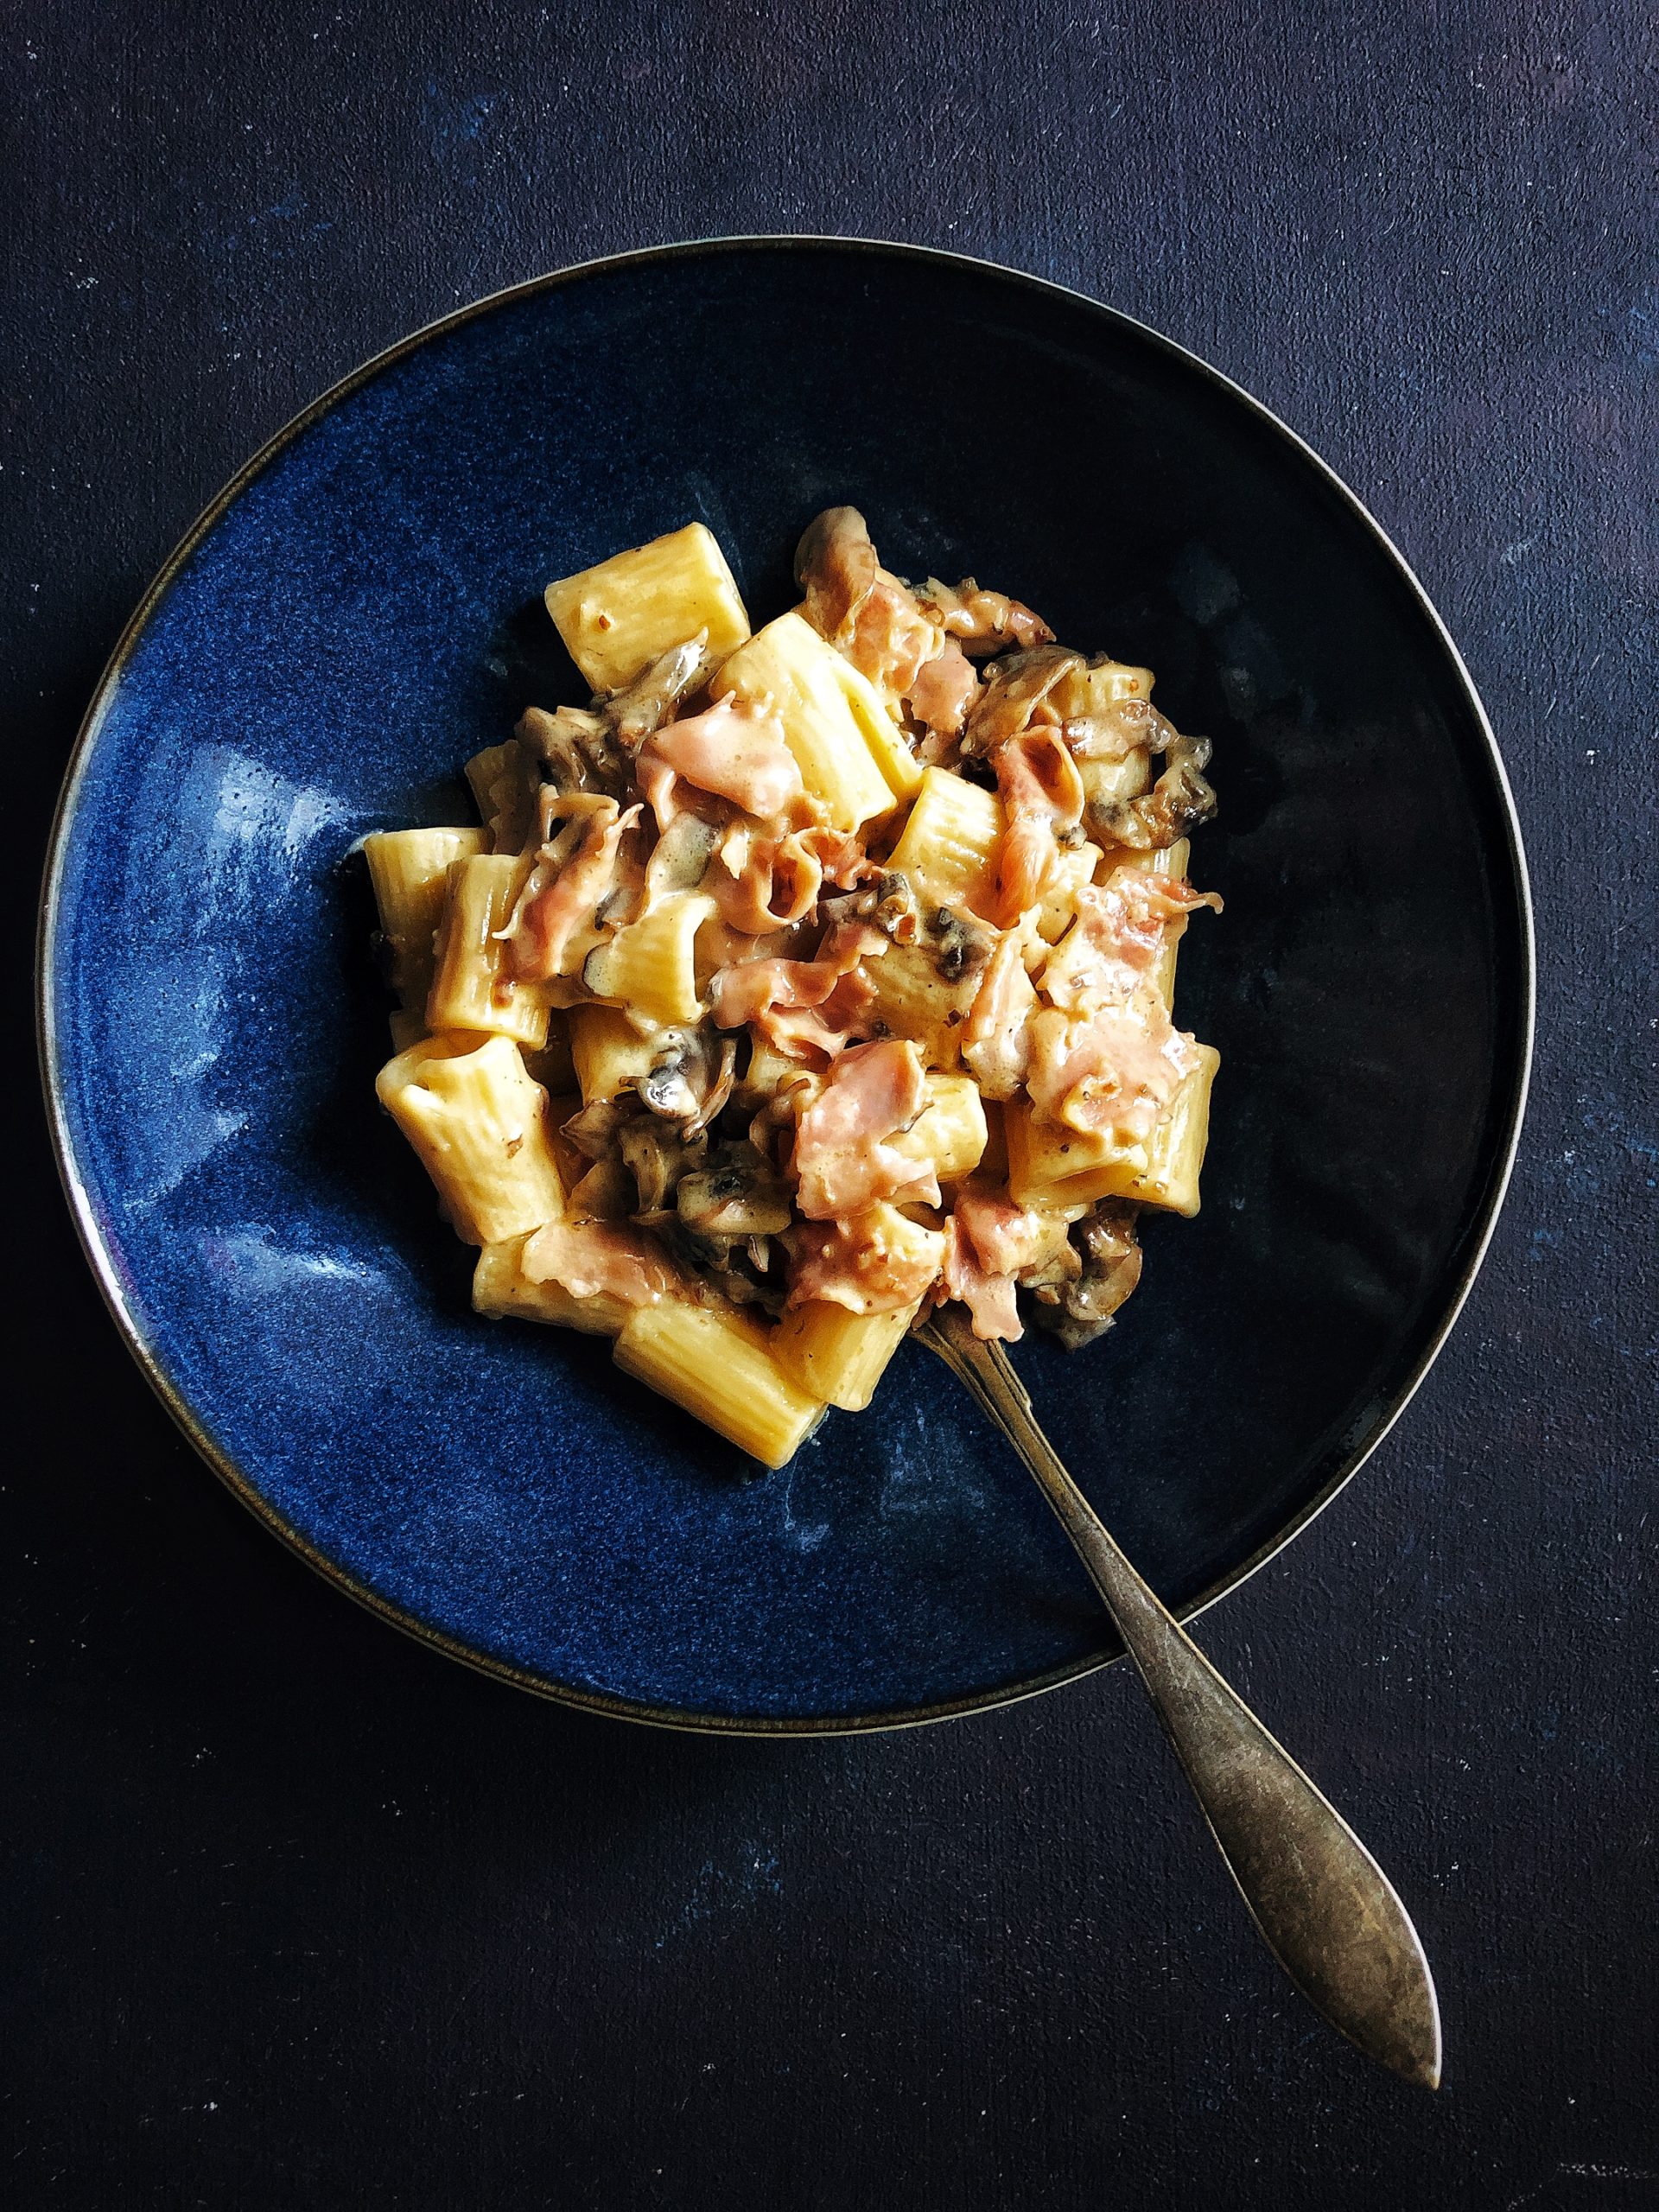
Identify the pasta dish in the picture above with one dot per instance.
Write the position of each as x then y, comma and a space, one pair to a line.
808, 976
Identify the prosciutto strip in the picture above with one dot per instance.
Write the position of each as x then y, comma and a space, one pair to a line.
842, 1160
766, 883
1117, 1070
754, 990
587, 1257
735, 751
854, 1264
996, 1043
1010, 1239
993, 1244
989, 1298
1041, 791
552, 907
1121, 929
944, 690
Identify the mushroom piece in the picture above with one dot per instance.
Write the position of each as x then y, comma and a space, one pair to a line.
690, 1079
657, 693
1078, 1311
604, 1193
1013, 691
592, 1132
738, 1197
575, 750
959, 946
1177, 803
837, 567
657, 1159
982, 622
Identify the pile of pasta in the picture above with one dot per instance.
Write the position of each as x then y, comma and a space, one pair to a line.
809, 975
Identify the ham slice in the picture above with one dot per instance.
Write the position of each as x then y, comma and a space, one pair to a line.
992, 1244
1113, 946
736, 751
587, 1257
562, 891
1010, 1239
889, 639
1117, 1070
774, 995
944, 690
843, 1161
1041, 791
996, 1043
1104, 1053
873, 1262
766, 883
989, 1298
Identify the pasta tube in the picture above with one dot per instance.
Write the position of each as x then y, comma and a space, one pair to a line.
1088, 691
915, 1001
837, 1356
471, 989
500, 1287
409, 871
609, 1053
1073, 869
949, 1131
720, 1367
651, 966
480, 1126
833, 719
949, 845
620, 616
1109, 781
1051, 1166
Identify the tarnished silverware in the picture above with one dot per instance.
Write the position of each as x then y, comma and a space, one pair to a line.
1328, 1912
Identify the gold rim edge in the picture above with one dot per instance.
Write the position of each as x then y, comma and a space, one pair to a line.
221, 1463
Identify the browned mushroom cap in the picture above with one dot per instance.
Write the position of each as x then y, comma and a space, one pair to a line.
1079, 1311
1014, 690
836, 568
593, 1131
690, 1079
737, 1197
657, 1158
658, 692
1177, 803
574, 749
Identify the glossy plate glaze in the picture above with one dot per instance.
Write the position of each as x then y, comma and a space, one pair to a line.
360, 610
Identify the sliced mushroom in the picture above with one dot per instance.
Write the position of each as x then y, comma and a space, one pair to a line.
1177, 803
958, 944
592, 1132
606, 1193
1013, 693
655, 696
982, 622
575, 750
737, 1197
657, 1159
837, 567
1079, 1311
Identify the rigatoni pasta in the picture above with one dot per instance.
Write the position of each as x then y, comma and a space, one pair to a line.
844, 950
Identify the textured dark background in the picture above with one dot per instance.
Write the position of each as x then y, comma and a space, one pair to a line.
297, 1914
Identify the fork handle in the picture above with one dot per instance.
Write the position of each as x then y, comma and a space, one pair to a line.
1327, 1911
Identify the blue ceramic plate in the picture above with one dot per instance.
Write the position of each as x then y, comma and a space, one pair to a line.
360, 610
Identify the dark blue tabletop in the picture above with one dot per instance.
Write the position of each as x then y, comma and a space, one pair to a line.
297, 1914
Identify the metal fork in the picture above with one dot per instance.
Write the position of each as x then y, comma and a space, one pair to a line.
1327, 1911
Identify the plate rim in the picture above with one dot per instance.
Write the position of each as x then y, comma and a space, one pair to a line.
220, 1461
